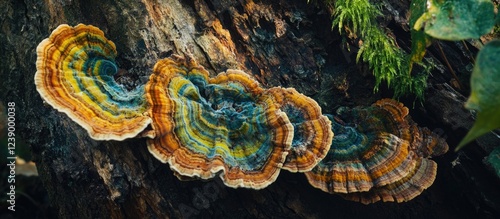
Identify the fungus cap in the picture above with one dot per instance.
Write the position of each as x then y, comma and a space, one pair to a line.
312, 130
226, 125
357, 162
75, 68
380, 154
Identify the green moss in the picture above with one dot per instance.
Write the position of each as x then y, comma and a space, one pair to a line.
388, 62
381, 54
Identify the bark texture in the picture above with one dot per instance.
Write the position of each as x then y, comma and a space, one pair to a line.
285, 42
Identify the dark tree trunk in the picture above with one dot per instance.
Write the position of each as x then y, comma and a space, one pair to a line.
287, 43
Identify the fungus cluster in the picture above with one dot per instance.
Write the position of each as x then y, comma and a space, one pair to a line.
228, 126
378, 153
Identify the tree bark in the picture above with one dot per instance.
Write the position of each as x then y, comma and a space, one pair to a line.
282, 43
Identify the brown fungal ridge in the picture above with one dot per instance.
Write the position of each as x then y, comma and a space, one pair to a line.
404, 190
313, 133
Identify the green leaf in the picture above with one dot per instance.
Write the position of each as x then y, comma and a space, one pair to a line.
485, 78
419, 43
419, 39
486, 121
494, 160
417, 9
485, 92
457, 19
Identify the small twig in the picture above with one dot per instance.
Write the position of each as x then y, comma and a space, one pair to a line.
449, 66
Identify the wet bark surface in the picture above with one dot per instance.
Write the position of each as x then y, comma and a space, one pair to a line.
282, 43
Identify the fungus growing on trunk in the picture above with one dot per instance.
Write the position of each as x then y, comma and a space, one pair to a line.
378, 153
312, 130
227, 125
231, 127
75, 68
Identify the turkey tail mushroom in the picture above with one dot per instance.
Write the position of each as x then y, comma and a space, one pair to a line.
75, 68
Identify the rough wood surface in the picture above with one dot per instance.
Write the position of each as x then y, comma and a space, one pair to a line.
285, 42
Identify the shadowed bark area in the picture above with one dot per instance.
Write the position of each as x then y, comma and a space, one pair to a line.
282, 43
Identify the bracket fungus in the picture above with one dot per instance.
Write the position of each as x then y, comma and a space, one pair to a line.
75, 68
413, 184
231, 127
312, 130
227, 125
380, 154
